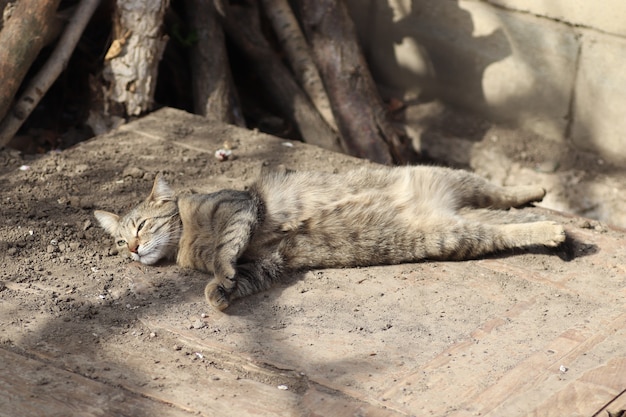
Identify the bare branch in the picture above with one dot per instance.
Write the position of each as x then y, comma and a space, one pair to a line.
30, 26
356, 104
243, 26
292, 40
57, 62
213, 91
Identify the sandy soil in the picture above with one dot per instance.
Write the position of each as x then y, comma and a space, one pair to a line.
67, 298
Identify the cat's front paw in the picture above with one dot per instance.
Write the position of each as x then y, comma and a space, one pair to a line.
216, 295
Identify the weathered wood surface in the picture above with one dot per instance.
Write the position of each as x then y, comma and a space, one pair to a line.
529, 333
132, 61
34, 388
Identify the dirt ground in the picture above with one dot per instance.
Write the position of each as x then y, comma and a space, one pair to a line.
87, 333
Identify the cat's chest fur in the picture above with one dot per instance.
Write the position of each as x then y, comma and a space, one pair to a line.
196, 246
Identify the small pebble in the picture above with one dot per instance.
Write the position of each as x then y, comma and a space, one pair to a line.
223, 154
133, 172
74, 201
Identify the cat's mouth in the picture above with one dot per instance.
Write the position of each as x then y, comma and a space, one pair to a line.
148, 259
150, 256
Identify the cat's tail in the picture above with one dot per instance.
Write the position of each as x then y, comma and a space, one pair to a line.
510, 216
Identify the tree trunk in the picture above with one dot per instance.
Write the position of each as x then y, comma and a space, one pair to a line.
243, 26
213, 92
359, 111
131, 64
31, 25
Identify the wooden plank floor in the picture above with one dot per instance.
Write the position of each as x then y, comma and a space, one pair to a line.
530, 333
34, 388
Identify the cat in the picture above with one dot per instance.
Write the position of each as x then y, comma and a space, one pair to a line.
293, 221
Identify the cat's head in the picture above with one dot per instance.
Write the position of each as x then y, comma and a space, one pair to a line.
151, 230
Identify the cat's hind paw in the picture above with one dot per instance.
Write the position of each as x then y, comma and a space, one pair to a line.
524, 194
553, 233
216, 295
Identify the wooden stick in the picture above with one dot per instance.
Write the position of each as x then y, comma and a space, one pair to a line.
30, 26
49, 72
294, 45
214, 94
243, 26
356, 104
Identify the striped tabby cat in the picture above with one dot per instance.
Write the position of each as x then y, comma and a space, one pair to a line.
293, 221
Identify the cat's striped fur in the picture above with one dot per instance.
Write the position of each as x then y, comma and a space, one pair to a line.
302, 220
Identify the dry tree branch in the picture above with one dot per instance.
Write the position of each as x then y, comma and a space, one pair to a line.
295, 46
214, 94
243, 26
29, 26
49, 72
358, 108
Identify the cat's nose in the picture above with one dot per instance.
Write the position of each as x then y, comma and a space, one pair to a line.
133, 248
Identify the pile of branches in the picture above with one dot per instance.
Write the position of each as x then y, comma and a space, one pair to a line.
304, 56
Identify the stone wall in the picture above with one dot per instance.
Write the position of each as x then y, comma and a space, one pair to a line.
554, 67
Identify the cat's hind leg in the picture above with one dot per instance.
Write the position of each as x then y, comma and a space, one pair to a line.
543, 233
473, 190
467, 240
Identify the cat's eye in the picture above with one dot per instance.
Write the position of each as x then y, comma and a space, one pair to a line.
141, 225
121, 242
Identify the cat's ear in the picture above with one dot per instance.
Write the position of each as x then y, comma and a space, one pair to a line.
109, 221
161, 192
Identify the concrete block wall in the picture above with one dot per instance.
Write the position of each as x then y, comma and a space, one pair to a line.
553, 67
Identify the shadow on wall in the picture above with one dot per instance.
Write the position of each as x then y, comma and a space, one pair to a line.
413, 51
507, 66
423, 50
